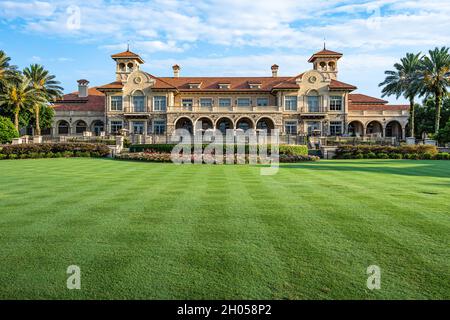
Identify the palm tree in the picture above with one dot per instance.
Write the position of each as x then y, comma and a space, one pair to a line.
403, 81
19, 95
7, 71
45, 85
435, 78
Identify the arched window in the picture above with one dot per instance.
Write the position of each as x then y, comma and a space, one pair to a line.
80, 127
244, 124
97, 127
63, 127
122, 67
138, 101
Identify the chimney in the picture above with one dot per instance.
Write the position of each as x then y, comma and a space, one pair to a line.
83, 86
274, 70
176, 71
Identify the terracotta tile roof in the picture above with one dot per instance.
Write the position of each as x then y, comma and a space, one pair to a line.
376, 107
336, 85
71, 102
290, 83
113, 85
235, 83
127, 54
212, 83
117, 85
358, 98
325, 53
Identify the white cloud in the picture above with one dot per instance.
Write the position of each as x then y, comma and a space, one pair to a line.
288, 24
35, 59
17, 9
248, 35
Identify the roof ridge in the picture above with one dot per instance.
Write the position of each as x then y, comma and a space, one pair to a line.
291, 78
155, 77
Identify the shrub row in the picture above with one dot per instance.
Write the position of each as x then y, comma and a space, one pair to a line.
166, 157
53, 150
97, 140
386, 152
298, 150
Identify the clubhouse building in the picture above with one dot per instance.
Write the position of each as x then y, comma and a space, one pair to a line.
140, 104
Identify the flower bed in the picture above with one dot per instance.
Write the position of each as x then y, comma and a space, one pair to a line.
414, 152
166, 157
298, 150
53, 150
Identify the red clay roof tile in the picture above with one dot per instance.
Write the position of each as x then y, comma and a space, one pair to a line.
358, 98
71, 102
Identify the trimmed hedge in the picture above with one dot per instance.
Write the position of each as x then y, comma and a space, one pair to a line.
97, 140
415, 152
293, 150
166, 157
53, 150
442, 156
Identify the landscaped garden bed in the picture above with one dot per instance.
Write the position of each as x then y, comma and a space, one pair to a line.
167, 157
411, 152
297, 150
53, 150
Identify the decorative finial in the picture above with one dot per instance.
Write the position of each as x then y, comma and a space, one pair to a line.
324, 44
128, 45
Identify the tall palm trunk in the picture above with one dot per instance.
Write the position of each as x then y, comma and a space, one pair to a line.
438, 102
36, 114
16, 118
412, 117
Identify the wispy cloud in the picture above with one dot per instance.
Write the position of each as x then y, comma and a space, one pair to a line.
171, 25
245, 36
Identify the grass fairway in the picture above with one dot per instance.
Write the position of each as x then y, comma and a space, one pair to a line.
161, 231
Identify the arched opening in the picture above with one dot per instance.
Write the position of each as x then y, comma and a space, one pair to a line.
63, 127
355, 129
223, 124
374, 128
244, 124
265, 124
122, 67
184, 123
80, 127
332, 65
394, 129
130, 66
97, 127
138, 101
323, 65
204, 124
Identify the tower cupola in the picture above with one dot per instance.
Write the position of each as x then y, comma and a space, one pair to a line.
326, 61
126, 62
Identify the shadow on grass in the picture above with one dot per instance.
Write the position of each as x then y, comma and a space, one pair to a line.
421, 168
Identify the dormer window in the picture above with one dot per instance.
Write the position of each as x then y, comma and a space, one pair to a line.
254, 85
224, 86
195, 85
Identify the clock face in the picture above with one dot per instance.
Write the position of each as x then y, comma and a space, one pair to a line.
312, 79
137, 80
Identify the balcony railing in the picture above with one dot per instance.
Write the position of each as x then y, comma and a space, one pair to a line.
233, 108
314, 110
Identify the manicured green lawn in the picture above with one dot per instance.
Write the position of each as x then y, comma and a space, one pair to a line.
161, 231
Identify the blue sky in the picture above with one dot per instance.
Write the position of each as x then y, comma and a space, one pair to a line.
74, 39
